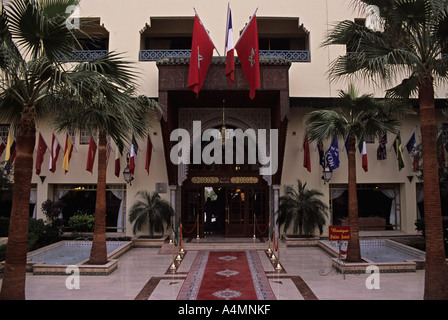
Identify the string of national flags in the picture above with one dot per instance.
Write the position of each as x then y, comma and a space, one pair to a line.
55, 149
330, 158
247, 48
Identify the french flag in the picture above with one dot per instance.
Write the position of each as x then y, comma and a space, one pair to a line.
133, 156
230, 49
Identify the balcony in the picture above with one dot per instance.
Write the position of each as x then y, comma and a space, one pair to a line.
83, 55
291, 55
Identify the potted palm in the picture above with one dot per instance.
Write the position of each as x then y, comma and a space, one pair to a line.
306, 212
153, 212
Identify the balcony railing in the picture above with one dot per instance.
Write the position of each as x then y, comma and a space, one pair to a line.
154, 55
291, 55
83, 55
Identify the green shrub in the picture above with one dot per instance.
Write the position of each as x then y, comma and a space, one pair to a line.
81, 222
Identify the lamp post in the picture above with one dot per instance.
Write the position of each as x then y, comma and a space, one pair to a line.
326, 175
127, 175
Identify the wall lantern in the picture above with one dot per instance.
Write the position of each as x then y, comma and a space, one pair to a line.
127, 175
326, 175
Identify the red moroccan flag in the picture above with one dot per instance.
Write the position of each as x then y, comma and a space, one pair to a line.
306, 155
91, 155
248, 53
41, 149
201, 56
148, 154
2, 146
117, 162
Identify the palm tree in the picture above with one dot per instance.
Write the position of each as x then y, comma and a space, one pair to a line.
152, 211
33, 35
358, 117
303, 208
105, 104
411, 42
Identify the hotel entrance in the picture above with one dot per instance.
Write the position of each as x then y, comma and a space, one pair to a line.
231, 211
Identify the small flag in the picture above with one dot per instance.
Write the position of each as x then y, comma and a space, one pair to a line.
322, 160
2, 146
41, 149
67, 152
201, 56
399, 151
411, 146
332, 155
133, 156
363, 151
347, 141
54, 153
148, 154
10, 152
91, 155
381, 152
306, 155
230, 49
117, 162
248, 53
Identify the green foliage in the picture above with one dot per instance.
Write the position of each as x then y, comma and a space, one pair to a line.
357, 115
40, 234
53, 212
81, 222
151, 210
303, 208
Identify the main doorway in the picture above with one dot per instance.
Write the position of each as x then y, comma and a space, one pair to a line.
230, 211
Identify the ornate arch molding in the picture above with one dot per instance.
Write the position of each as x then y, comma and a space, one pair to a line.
174, 95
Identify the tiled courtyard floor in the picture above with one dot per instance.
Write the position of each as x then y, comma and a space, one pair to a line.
143, 274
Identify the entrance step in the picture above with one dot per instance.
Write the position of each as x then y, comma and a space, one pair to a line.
222, 243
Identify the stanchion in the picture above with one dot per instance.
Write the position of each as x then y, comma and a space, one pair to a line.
173, 265
254, 237
178, 258
269, 240
197, 227
182, 252
278, 266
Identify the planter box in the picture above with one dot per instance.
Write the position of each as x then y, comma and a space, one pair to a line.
295, 241
147, 242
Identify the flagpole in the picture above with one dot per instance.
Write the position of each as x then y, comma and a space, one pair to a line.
208, 35
244, 30
227, 27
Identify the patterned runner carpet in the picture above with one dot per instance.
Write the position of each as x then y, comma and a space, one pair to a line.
226, 275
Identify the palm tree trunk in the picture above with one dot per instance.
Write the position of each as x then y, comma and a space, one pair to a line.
436, 269
354, 251
98, 253
13, 285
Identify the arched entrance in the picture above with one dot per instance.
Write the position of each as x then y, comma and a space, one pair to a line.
246, 197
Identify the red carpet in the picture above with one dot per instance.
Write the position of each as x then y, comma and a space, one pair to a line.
226, 275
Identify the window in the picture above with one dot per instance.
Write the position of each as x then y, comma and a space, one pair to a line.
283, 37
4, 130
378, 206
168, 36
